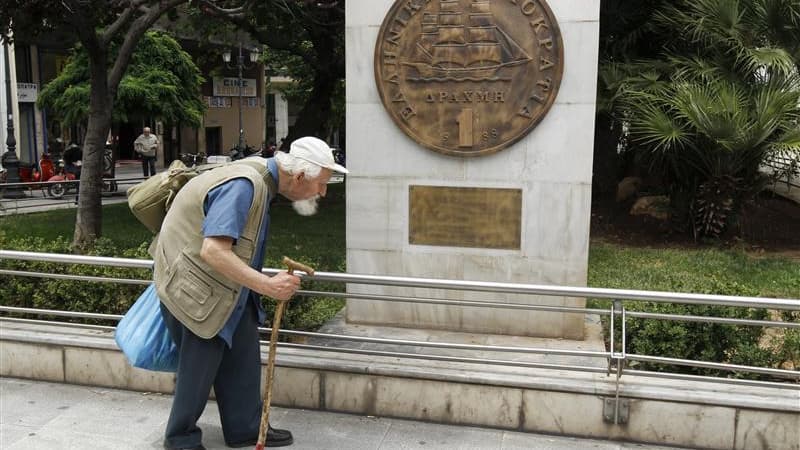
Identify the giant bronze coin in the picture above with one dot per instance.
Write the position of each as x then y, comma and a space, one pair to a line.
468, 77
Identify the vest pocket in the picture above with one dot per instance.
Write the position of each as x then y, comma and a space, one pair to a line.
197, 293
244, 248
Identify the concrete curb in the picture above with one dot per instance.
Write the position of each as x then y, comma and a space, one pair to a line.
669, 412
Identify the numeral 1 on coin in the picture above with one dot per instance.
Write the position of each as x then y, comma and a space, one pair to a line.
464, 121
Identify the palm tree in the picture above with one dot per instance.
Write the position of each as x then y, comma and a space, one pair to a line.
723, 98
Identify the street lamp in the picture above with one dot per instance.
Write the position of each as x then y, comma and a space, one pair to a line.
9, 158
241, 64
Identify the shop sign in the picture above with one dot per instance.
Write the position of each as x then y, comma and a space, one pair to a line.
229, 87
27, 92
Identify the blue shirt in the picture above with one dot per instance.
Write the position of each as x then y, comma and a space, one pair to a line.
227, 207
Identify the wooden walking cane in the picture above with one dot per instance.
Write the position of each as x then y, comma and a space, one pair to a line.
273, 344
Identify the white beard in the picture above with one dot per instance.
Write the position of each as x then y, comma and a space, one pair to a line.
307, 207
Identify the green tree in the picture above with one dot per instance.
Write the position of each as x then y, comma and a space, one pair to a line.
305, 40
721, 100
161, 82
100, 26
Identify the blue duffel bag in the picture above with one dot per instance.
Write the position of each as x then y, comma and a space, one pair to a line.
143, 336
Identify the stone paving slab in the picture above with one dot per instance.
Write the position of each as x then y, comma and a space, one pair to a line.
44, 416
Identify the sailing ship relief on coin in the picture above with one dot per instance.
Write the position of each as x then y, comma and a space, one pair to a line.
468, 77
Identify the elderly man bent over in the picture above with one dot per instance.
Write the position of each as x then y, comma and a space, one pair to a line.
208, 263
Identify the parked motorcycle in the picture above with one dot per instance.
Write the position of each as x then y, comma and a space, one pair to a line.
68, 168
63, 174
241, 153
193, 159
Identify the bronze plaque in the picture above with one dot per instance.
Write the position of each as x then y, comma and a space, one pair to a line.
465, 217
468, 77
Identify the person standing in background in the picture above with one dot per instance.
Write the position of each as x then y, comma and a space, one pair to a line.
147, 146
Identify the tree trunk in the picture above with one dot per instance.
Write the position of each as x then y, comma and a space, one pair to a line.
311, 118
328, 69
88, 224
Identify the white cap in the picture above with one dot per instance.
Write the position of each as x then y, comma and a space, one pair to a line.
315, 151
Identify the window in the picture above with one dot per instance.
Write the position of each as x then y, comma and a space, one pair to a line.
250, 102
218, 102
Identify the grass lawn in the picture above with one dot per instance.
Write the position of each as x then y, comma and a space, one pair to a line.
118, 224
320, 241
703, 271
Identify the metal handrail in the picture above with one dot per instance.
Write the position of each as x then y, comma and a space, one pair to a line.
454, 346
59, 313
434, 283
619, 296
64, 276
37, 184
441, 301
448, 345
61, 324
77, 259
450, 302
457, 359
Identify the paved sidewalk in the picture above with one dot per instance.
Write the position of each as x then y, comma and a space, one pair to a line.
38, 415
36, 200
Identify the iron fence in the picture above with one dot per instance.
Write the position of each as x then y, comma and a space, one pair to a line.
39, 195
785, 170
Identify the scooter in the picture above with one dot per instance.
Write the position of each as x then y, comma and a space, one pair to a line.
63, 173
44, 170
40, 171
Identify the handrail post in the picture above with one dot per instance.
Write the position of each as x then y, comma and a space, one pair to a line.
617, 358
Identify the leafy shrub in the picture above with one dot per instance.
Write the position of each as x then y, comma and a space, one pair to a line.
702, 340
303, 313
308, 313
70, 295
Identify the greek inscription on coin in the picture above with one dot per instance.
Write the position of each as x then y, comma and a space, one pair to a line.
468, 77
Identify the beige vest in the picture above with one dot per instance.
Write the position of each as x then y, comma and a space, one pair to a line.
197, 295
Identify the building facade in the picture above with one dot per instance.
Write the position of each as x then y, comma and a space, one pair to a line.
265, 113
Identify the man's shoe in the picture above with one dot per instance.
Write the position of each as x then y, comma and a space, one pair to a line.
197, 447
279, 438
275, 438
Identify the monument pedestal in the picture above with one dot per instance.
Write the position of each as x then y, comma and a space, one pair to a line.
501, 204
